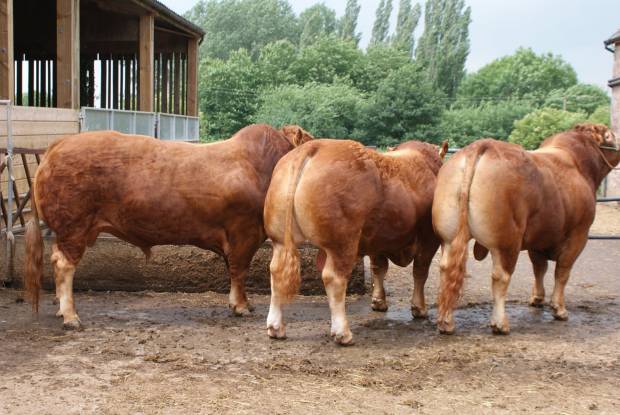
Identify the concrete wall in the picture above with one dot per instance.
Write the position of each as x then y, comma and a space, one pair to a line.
613, 180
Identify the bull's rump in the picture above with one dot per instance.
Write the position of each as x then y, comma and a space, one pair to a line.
531, 199
146, 191
341, 198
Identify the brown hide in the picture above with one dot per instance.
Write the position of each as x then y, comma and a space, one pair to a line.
151, 192
349, 201
509, 200
353, 197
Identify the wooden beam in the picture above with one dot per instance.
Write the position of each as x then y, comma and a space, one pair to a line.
68, 53
7, 76
177, 83
146, 57
192, 77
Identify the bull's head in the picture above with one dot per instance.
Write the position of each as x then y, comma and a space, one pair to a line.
296, 135
605, 139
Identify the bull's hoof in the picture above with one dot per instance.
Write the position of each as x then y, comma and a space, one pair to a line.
418, 312
73, 325
445, 327
537, 301
241, 310
344, 339
559, 314
276, 333
379, 304
501, 329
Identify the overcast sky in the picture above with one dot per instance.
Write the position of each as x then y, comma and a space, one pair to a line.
574, 29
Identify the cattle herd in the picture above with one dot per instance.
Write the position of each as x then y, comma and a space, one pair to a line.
345, 199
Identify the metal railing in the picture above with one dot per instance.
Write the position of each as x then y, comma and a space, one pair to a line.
159, 125
177, 127
128, 122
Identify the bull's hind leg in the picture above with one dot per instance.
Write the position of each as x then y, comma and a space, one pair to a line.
379, 266
277, 267
237, 298
64, 270
569, 253
421, 266
539, 265
335, 277
504, 261
238, 260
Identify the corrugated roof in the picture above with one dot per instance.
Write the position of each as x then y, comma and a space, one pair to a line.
176, 18
613, 39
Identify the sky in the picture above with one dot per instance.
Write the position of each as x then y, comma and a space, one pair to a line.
573, 29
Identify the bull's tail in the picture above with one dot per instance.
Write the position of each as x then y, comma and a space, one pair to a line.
33, 270
285, 264
454, 260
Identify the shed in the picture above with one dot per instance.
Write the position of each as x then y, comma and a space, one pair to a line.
125, 55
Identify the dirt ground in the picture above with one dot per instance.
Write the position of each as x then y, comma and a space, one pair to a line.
175, 353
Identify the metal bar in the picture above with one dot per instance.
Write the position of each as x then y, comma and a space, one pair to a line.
604, 237
608, 199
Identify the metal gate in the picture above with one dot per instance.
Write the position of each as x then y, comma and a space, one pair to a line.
158, 125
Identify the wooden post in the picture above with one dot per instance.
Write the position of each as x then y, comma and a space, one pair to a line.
68, 53
146, 57
615, 92
177, 83
7, 83
192, 77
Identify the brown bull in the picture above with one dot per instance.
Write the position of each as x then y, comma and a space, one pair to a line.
510, 200
350, 201
150, 192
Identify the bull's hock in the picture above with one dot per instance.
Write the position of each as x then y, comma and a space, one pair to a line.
114, 265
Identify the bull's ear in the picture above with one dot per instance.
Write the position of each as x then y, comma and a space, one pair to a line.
443, 149
299, 137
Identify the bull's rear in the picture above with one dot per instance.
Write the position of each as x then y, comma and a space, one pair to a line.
509, 200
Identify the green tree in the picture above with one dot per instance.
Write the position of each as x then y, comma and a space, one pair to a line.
315, 22
444, 45
275, 62
324, 110
227, 94
408, 18
577, 98
405, 106
379, 61
532, 129
243, 24
462, 126
347, 25
601, 115
523, 75
327, 60
381, 26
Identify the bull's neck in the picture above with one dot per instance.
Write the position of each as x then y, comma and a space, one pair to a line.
267, 152
591, 165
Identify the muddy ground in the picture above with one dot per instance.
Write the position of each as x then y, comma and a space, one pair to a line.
175, 353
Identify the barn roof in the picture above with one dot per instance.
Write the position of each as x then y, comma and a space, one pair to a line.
615, 38
173, 17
